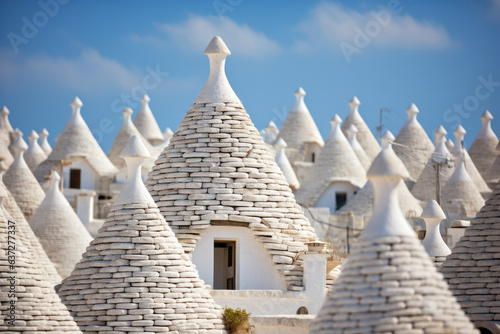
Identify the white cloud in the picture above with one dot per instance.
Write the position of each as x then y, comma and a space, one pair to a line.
88, 73
330, 24
194, 34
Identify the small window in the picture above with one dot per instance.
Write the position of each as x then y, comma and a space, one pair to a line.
75, 178
340, 200
313, 156
302, 310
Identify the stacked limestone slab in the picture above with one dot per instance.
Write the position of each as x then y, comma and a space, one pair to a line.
483, 150
6, 132
336, 162
60, 231
412, 144
135, 276
33, 243
76, 140
217, 168
299, 130
146, 123
21, 182
472, 268
389, 284
364, 136
38, 309
34, 155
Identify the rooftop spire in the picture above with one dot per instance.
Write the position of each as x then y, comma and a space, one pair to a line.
76, 117
299, 105
33, 136
217, 88
4, 119
284, 164
354, 104
19, 147
486, 130
134, 191
44, 143
351, 132
440, 140
272, 133
450, 144
412, 112
385, 173
146, 123
433, 241
34, 154
387, 139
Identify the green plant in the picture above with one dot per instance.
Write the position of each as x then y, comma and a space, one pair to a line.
236, 321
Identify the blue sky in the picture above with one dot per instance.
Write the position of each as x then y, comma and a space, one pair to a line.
443, 56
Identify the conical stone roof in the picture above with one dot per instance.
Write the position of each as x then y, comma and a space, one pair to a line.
336, 162
34, 155
127, 131
412, 144
362, 203
21, 182
450, 144
351, 133
135, 276
146, 123
483, 150
460, 197
285, 165
33, 243
425, 187
474, 174
472, 268
388, 283
60, 231
76, 140
365, 136
218, 168
37, 308
299, 129
6, 133
44, 143
272, 133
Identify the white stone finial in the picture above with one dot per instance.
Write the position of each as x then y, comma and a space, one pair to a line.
385, 173
5, 111
387, 139
127, 113
217, 87
352, 129
335, 121
300, 105
33, 136
76, 117
412, 112
168, 133
433, 241
351, 132
19, 147
354, 105
55, 180
134, 191
44, 143
280, 143
459, 140
271, 125
440, 141
271, 133
145, 99
450, 144
486, 131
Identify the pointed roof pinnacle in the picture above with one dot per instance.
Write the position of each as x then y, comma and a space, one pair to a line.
33, 136
19, 143
387, 139
450, 144
280, 144
385, 173
433, 211
217, 46
76, 103
5, 111
440, 131
127, 112
459, 131
271, 125
55, 179
145, 99
300, 105
354, 102
336, 120
134, 191
217, 87
352, 129
487, 115
44, 133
